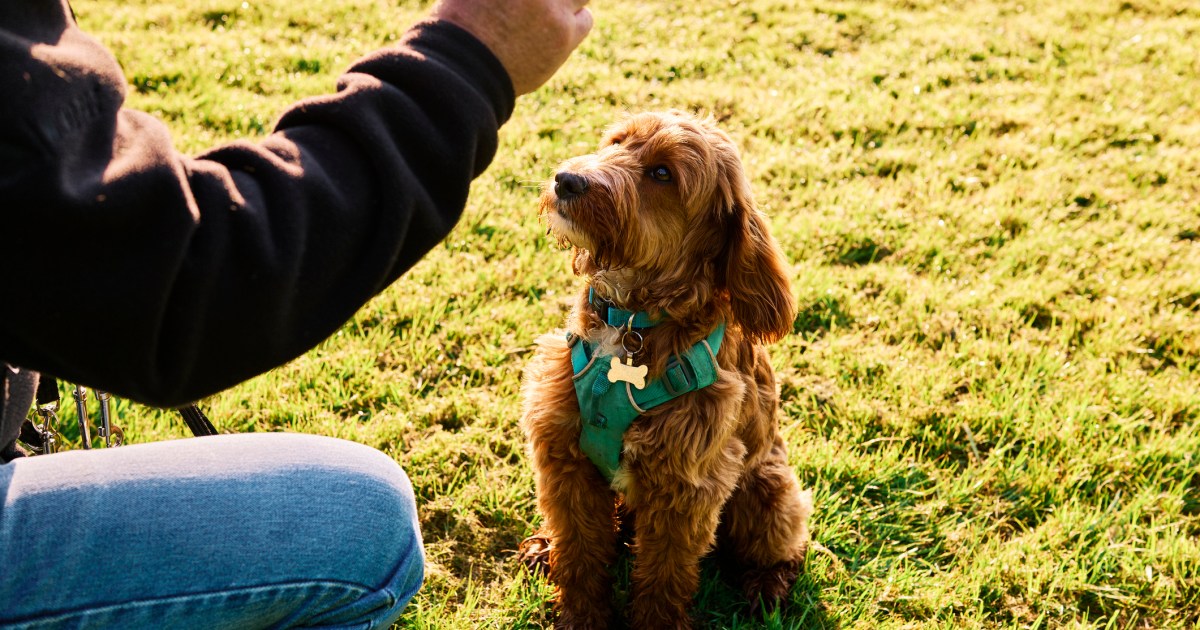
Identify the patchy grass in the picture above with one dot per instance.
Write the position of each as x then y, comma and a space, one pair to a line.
992, 211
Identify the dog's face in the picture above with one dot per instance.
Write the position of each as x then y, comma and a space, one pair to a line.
665, 202
652, 183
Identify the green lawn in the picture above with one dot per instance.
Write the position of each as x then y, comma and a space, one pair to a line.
992, 211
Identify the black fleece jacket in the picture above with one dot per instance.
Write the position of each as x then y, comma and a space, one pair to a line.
165, 278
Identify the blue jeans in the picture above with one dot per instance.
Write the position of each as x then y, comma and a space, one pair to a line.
234, 531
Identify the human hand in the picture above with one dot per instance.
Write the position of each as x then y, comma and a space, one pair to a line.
531, 38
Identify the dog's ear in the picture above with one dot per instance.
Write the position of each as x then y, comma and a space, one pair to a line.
756, 276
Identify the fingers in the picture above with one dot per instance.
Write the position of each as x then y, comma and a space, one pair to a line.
583, 24
582, 18
531, 38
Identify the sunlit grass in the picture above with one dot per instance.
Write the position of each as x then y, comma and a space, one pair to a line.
993, 214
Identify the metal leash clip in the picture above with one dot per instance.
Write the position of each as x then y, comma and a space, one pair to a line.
112, 434
85, 433
47, 434
40, 436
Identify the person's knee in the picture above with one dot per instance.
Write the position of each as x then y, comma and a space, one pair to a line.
371, 510
295, 516
381, 498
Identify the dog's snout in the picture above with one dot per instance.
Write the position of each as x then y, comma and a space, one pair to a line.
569, 185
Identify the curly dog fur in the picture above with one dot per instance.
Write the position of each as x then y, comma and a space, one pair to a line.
661, 219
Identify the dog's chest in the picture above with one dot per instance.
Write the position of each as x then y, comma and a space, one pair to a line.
612, 393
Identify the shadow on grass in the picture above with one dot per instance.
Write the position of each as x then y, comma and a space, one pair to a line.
719, 605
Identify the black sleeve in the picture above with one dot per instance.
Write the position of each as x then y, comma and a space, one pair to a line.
162, 278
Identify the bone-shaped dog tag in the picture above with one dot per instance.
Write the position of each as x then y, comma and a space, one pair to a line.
627, 372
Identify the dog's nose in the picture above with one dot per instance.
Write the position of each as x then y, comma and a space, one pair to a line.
569, 185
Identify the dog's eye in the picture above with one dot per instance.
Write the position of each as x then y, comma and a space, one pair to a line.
660, 173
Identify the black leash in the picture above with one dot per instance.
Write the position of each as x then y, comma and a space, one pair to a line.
47, 391
197, 421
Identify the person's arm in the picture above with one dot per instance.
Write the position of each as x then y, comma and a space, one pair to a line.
164, 278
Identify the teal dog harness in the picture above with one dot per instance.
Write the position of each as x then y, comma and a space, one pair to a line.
611, 394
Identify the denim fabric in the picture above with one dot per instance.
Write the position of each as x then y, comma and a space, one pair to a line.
234, 531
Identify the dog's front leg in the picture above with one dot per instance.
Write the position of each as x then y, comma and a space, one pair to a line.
579, 515
673, 530
579, 523
578, 538
675, 523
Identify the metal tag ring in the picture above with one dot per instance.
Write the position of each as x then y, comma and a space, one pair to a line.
632, 335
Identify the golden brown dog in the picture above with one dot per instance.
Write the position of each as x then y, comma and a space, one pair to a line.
661, 220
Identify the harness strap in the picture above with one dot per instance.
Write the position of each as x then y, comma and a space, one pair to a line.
693, 370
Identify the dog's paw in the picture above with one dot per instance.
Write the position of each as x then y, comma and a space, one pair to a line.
766, 588
534, 553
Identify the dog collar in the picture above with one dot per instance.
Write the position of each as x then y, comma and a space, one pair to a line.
607, 409
618, 317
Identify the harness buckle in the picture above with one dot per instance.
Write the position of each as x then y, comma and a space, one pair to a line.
679, 377
600, 305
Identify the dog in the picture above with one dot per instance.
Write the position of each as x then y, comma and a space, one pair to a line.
685, 286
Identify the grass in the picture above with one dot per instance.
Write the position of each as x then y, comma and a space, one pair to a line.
993, 214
